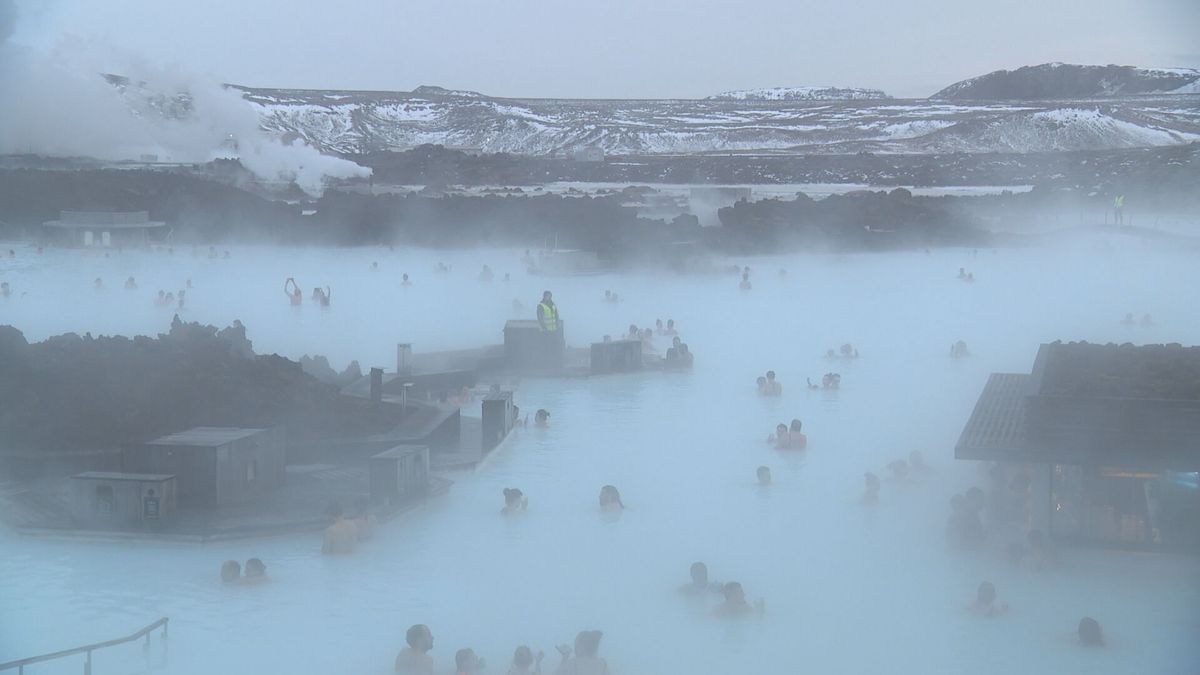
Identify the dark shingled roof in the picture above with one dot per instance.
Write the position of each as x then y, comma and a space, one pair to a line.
996, 428
1012, 421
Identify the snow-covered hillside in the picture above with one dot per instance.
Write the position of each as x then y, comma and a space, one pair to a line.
1067, 128
1065, 81
351, 122
801, 94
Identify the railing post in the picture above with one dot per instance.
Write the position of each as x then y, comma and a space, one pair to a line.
163, 662
87, 665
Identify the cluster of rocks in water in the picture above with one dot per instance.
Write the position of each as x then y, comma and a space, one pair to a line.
73, 392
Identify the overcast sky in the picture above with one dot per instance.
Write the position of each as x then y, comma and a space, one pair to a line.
622, 48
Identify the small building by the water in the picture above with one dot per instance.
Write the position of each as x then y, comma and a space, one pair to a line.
399, 475
499, 414
214, 466
113, 500
105, 229
1100, 443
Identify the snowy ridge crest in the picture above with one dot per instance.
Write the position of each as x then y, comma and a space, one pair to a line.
801, 94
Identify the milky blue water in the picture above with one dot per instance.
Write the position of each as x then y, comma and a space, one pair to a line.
848, 588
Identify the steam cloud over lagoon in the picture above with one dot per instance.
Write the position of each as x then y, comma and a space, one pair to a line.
58, 103
774, 397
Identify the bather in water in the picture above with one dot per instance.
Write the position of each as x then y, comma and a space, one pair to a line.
700, 584
763, 475
871, 494
772, 387
899, 469
735, 604
985, 602
586, 660
256, 572
524, 662
341, 534
231, 572
779, 439
959, 350
292, 290
796, 438
515, 501
610, 499
467, 663
414, 659
1090, 634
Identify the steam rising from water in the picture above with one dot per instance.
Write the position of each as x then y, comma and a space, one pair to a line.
57, 103
849, 588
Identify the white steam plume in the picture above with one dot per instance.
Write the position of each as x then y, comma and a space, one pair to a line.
57, 103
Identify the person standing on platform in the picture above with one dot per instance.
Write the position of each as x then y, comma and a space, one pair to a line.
547, 314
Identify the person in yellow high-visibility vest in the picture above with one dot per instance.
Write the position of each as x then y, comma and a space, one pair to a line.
547, 314
1119, 209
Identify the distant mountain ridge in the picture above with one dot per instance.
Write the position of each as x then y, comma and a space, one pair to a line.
354, 122
801, 94
1067, 81
775, 121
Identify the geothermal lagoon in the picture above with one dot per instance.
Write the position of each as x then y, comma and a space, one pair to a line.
848, 587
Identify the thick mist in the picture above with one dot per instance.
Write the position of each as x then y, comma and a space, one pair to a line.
848, 587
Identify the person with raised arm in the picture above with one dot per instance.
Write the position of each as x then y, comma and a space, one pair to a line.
292, 290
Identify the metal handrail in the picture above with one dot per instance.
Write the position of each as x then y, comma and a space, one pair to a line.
88, 649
